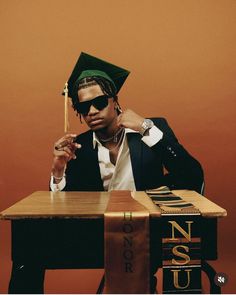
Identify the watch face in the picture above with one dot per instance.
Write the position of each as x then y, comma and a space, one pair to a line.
148, 123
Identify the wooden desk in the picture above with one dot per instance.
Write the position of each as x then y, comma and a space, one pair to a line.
44, 204
65, 229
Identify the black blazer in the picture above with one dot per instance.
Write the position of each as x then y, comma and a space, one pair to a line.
183, 171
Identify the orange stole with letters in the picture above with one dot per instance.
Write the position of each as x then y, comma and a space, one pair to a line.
126, 228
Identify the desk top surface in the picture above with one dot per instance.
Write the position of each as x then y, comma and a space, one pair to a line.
44, 204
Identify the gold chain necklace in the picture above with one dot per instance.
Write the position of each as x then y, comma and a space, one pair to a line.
119, 141
114, 137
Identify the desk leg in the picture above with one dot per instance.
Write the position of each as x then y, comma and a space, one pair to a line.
210, 272
26, 279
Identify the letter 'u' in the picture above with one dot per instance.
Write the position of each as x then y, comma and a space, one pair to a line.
176, 278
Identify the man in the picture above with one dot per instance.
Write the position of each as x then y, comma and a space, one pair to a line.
122, 150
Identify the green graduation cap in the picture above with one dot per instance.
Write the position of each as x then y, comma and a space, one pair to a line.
89, 66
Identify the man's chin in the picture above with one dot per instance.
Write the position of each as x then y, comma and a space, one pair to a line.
96, 123
96, 127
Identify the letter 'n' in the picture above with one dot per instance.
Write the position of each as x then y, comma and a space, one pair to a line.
187, 235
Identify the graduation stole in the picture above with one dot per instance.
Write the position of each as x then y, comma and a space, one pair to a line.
126, 229
181, 242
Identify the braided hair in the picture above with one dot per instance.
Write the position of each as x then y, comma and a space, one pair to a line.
106, 86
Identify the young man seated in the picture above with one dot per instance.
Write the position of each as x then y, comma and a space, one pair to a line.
121, 150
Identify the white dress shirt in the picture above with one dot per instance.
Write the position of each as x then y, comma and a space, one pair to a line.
118, 176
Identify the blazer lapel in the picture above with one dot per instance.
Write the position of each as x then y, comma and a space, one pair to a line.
92, 162
135, 148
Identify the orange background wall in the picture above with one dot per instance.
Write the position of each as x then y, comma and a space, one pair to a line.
182, 57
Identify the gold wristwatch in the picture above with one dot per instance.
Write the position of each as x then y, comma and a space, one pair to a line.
146, 125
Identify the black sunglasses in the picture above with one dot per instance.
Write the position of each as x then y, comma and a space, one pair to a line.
99, 102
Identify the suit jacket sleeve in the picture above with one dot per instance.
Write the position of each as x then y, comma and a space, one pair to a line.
183, 171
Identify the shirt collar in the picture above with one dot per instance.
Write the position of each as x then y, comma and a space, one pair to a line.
96, 140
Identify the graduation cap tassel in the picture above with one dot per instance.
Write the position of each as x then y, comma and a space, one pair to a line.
66, 119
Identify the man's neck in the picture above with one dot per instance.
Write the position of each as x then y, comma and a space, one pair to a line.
109, 131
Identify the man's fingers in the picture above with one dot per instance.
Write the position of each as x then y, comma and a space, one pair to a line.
63, 142
68, 136
65, 147
76, 145
68, 151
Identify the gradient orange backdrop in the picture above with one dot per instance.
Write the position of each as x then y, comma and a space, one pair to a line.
182, 58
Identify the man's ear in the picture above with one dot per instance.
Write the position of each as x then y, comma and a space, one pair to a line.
117, 107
